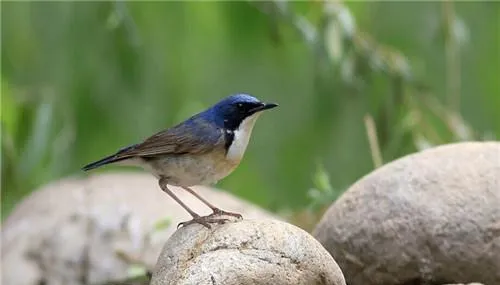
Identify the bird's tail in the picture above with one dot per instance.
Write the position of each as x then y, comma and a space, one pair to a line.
108, 159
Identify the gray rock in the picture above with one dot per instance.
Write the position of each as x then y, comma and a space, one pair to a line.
88, 231
428, 218
466, 284
256, 252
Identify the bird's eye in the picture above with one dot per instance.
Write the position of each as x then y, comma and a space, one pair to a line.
240, 105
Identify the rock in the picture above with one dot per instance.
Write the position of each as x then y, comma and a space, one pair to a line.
466, 284
256, 252
88, 231
428, 218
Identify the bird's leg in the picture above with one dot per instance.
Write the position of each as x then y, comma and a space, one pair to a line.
163, 186
205, 221
216, 211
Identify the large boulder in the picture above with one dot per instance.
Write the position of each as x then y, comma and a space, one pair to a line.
247, 252
91, 230
428, 218
465, 284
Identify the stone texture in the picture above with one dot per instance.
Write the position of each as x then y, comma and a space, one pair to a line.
429, 218
260, 252
77, 231
466, 284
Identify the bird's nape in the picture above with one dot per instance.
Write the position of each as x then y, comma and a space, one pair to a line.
199, 151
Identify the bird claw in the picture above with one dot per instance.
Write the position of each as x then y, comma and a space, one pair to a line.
204, 220
211, 219
219, 212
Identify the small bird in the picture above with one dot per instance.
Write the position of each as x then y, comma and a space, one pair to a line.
199, 151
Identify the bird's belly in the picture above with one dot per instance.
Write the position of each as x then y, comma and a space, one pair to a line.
189, 170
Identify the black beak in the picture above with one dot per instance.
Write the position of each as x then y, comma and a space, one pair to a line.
263, 106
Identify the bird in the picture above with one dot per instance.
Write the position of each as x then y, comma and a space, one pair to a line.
201, 150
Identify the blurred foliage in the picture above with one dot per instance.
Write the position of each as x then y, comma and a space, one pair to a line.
322, 193
82, 79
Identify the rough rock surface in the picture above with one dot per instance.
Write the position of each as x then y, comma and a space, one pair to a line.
429, 218
245, 252
86, 231
466, 284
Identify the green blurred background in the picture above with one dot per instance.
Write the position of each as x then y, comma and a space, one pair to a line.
80, 80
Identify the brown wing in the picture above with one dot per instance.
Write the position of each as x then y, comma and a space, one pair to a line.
194, 136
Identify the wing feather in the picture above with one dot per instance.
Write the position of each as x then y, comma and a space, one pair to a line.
194, 136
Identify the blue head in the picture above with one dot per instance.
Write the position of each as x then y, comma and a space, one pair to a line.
231, 111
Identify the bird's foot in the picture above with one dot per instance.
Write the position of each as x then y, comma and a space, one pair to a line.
219, 212
203, 220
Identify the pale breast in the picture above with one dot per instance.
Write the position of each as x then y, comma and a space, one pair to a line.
207, 168
189, 170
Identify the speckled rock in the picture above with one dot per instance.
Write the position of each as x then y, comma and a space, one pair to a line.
465, 284
428, 218
258, 252
87, 231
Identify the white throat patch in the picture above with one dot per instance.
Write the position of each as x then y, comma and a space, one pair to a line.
241, 138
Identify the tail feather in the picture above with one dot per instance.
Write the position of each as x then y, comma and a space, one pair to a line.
108, 159
104, 161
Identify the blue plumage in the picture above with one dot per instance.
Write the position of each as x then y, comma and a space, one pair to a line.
199, 151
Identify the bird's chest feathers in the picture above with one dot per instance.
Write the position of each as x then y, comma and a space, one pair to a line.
241, 137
